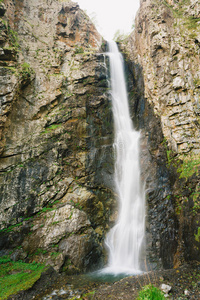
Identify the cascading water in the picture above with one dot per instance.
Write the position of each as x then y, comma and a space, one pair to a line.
125, 241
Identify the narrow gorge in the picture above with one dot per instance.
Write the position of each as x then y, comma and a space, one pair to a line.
57, 190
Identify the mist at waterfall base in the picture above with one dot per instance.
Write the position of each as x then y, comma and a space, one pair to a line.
125, 241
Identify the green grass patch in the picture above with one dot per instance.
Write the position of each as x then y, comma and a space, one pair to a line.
45, 209
150, 292
25, 72
189, 166
10, 228
51, 128
13, 38
78, 50
13, 69
192, 23
17, 276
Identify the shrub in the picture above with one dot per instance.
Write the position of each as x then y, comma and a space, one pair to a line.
26, 72
150, 292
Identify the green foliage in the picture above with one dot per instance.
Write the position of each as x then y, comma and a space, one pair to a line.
197, 82
76, 205
180, 12
13, 38
40, 251
17, 276
55, 254
51, 128
10, 228
49, 207
46, 209
13, 69
25, 73
189, 166
196, 200
150, 292
197, 236
78, 50
192, 23
171, 160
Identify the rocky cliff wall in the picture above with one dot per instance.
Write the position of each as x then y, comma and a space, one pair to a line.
162, 57
56, 132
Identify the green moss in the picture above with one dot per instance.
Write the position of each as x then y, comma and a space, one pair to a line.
78, 50
178, 208
189, 166
25, 72
17, 276
196, 200
51, 128
10, 228
171, 156
13, 38
197, 236
55, 254
197, 82
40, 251
45, 209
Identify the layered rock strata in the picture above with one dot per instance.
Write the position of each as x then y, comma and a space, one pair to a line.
56, 133
163, 61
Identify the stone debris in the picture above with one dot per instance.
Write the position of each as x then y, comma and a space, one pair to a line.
165, 288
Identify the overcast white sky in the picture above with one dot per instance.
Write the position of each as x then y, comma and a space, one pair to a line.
111, 15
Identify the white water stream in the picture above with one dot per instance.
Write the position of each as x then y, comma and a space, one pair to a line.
125, 241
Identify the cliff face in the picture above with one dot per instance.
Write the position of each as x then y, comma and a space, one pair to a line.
163, 61
56, 132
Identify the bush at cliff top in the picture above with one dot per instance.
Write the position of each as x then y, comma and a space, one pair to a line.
17, 276
150, 292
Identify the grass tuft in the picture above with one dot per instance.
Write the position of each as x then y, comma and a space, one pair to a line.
150, 292
189, 166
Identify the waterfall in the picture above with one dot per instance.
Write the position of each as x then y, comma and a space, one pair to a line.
125, 241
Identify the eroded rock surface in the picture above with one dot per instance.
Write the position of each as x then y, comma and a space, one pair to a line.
163, 61
55, 133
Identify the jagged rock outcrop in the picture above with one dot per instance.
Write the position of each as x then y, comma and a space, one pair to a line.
163, 61
56, 132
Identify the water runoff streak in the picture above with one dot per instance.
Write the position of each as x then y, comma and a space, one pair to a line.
125, 241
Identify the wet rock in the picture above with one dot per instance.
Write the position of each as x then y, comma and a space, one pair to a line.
163, 87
